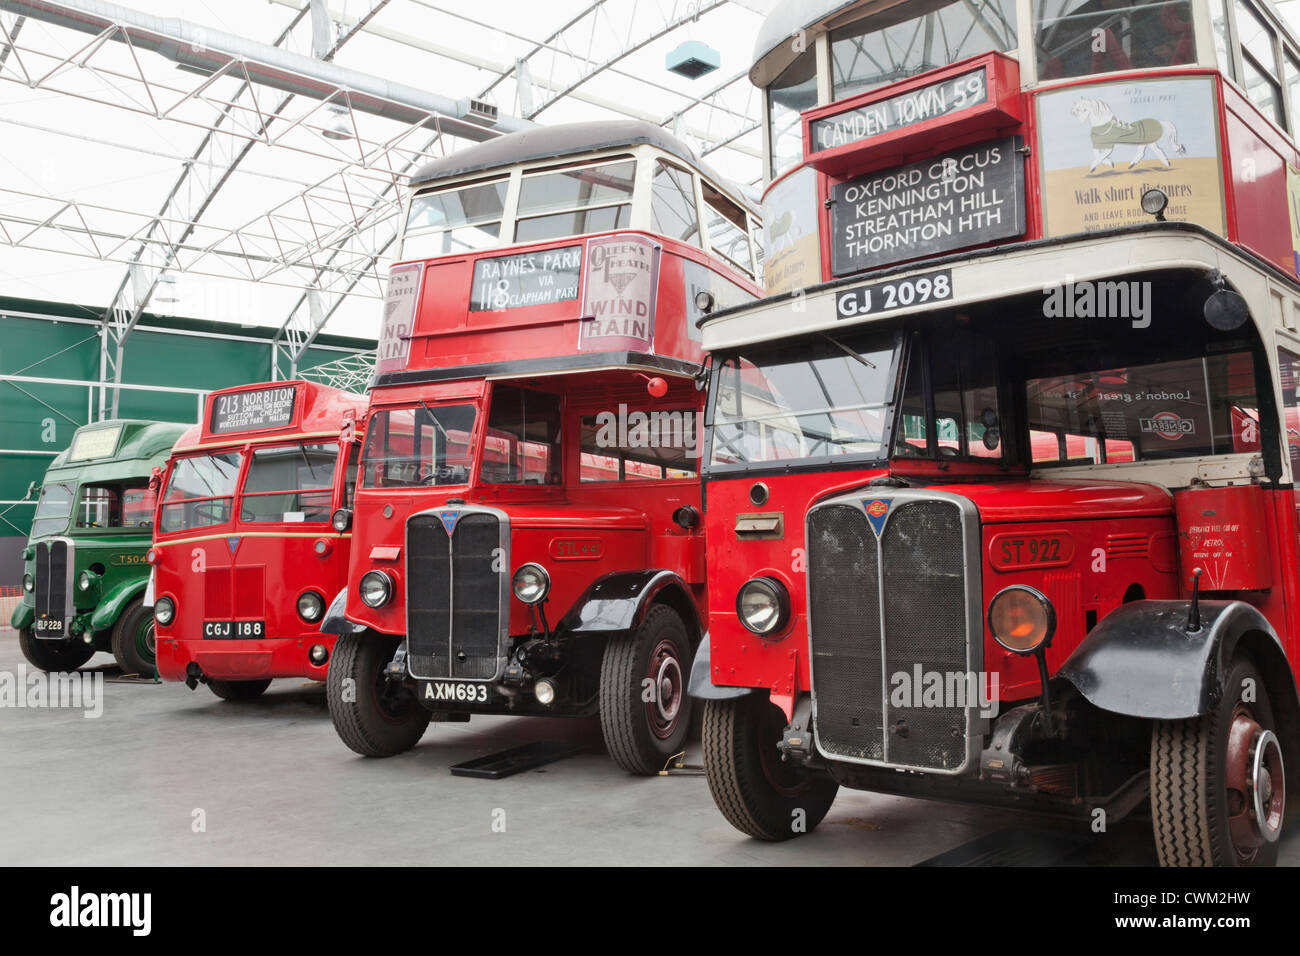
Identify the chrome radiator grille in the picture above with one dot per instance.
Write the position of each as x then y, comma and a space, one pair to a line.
890, 615
455, 594
53, 586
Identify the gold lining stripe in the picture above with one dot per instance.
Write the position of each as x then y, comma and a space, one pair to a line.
253, 534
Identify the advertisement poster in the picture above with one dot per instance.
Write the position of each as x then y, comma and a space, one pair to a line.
1101, 147
792, 251
618, 307
399, 318
1293, 205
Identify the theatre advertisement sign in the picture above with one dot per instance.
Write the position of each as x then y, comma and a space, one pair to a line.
968, 197
618, 304
1102, 146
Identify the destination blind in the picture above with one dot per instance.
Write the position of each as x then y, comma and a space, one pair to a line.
932, 102
964, 198
246, 411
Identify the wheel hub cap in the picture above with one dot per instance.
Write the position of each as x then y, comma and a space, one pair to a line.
1256, 784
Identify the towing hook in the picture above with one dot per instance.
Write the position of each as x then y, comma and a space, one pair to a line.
193, 675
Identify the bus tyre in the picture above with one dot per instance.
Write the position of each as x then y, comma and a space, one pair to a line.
238, 689
758, 792
53, 656
133, 640
1218, 790
374, 716
645, 712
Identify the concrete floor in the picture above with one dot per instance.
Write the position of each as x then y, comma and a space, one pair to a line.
276, 786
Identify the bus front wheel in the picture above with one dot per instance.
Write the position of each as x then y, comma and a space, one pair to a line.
1218, 785
374, 716
759, 793
53, 656
133, 640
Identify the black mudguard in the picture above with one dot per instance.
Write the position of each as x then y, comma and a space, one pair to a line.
701, 684
334, 622
1143, 661
618, 602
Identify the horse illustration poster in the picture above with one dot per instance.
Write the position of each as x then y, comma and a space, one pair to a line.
1103, 146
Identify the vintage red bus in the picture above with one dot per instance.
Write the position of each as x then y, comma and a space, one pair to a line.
1000, 476
244, 558
526, 530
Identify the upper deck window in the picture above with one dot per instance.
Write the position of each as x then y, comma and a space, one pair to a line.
1085, 37
290, 483
455, 220
52, 510
570, 202
728, 234
1222, 37
1259, 62
880, 50
794, 91
672, 198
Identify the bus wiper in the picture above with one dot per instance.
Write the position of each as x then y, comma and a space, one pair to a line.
848, 351
433, 418
302, 450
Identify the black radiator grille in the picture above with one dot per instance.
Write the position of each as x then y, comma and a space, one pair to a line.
843, 574
925, 624
453, 596
51, 585
861, 663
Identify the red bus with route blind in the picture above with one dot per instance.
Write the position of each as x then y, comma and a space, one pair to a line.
244, 558
1000, 475
526, 535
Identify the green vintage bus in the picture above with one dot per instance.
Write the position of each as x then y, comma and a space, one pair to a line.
85, 572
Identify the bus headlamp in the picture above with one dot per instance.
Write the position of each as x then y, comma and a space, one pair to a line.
1022, 619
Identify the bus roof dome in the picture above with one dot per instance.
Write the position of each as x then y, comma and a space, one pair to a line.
788, 17
564, 139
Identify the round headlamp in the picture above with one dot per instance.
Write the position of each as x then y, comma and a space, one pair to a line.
310, 606
763, 606
376, 588
341, 520
29, 583
85, 581
164, 611
1022, 619
531, 583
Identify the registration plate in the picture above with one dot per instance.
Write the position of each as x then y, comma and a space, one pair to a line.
894, 294
48, 625
233, 630
461, 692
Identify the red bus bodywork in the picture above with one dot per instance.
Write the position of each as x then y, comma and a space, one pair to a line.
246, 573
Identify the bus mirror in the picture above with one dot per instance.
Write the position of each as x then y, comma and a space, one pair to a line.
33, 490
1226, 310
155, 479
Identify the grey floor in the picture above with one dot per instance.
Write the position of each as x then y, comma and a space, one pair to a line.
273, 784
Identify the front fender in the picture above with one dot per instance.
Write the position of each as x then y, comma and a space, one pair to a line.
619, 600
701, 684
335, 622
111, 605
23, 616
1141, 661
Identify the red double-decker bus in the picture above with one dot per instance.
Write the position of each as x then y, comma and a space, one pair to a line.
1000, 477
245, 559
527, 526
